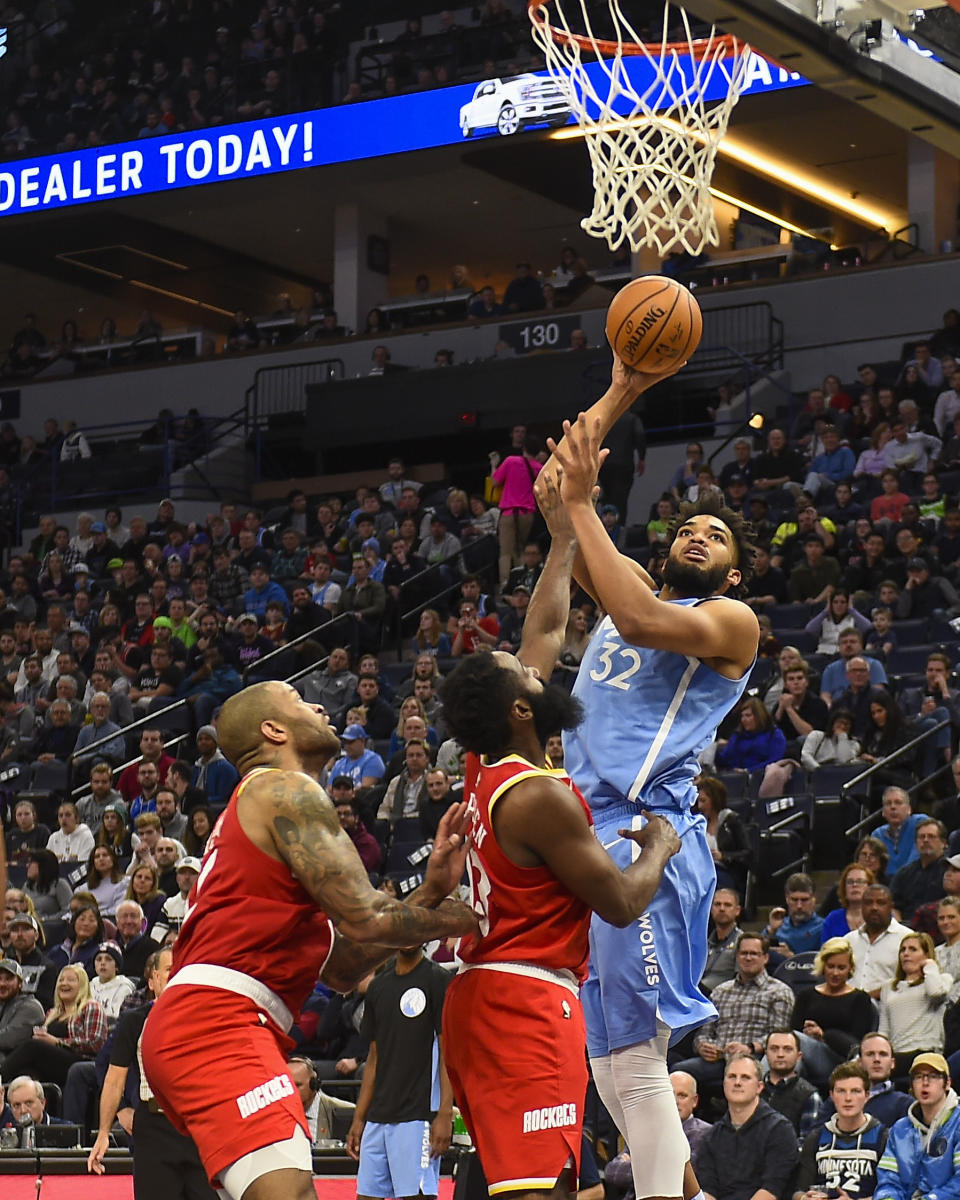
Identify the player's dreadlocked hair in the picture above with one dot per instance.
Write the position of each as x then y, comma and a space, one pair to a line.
477, 696
712, 505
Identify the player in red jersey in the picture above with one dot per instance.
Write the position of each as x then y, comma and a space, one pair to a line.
512, 1025
281, 898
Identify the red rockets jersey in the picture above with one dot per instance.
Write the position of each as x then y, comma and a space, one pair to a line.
526, 914
247, 912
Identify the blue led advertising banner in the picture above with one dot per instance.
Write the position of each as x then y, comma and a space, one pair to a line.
345, 133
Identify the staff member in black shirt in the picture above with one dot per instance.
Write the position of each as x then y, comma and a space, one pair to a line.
166, 1165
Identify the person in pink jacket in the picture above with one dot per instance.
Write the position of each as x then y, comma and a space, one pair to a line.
517, 474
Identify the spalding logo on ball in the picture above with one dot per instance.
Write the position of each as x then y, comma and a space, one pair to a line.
654, 324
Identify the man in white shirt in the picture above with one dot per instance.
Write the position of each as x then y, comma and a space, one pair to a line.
876, 942
175, 909
72, 842
947, 406
910, 451
47, 652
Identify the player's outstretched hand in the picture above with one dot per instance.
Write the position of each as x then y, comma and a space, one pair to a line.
658, 834
449, 855
95, 1157
547, 492
628, 379
579, 458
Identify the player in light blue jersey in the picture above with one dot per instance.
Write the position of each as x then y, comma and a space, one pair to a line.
659, 675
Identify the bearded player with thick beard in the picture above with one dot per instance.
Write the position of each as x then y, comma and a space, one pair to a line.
513, 1030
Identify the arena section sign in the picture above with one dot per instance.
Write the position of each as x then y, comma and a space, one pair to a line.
344, 133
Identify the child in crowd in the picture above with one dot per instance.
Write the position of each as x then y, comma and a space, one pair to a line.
657, 528
888, 506
610, 518
881, 638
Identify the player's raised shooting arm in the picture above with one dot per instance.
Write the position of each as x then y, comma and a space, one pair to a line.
546, 621
566, 843
625, 386
721, 630
306, 834
550, 604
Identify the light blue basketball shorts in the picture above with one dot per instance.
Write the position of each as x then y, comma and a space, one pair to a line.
395, 1161
651, 968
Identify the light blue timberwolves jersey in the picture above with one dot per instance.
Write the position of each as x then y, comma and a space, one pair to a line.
648, 714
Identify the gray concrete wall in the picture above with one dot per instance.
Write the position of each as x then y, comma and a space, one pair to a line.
831, 322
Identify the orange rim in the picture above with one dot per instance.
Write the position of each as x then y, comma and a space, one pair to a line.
697, 48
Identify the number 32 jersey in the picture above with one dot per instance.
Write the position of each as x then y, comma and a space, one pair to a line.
648, 714
526, 914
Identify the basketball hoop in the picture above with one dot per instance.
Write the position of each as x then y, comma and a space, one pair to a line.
652, 132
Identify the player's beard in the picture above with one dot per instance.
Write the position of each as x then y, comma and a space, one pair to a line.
690, 581
554, 708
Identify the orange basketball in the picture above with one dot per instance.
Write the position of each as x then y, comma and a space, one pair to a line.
654, 324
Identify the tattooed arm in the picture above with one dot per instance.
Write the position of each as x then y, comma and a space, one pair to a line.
294, 813
350, 961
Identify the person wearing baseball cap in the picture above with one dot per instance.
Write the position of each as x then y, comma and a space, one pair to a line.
175, 907
26, 948
108, 986
922, 1156
19, 1013
925, 919
363, 766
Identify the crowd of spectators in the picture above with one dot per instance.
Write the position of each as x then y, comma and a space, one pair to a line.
33, 346
85, 76
121, 618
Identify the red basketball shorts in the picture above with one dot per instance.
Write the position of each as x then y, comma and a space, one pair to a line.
217, 1066
514, 1047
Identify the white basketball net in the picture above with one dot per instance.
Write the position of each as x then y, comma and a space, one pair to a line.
652, 152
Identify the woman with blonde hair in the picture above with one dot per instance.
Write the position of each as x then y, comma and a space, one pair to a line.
576, 639
912, 1002
833, 1015
74, 1030
412, 707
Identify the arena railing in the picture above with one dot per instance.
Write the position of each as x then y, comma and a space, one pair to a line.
174, 741
148, 720
314, 634
452, 562
847, 787
115, 467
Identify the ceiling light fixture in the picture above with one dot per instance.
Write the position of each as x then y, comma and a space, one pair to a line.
778, 169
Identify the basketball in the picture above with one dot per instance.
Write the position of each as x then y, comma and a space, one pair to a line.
654, 324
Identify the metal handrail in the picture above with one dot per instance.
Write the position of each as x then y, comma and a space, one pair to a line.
898, 753
869, 819
137, 724
308, 670
253, 391
943, 769
848, 785
303, 637
174, 741
405, 614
